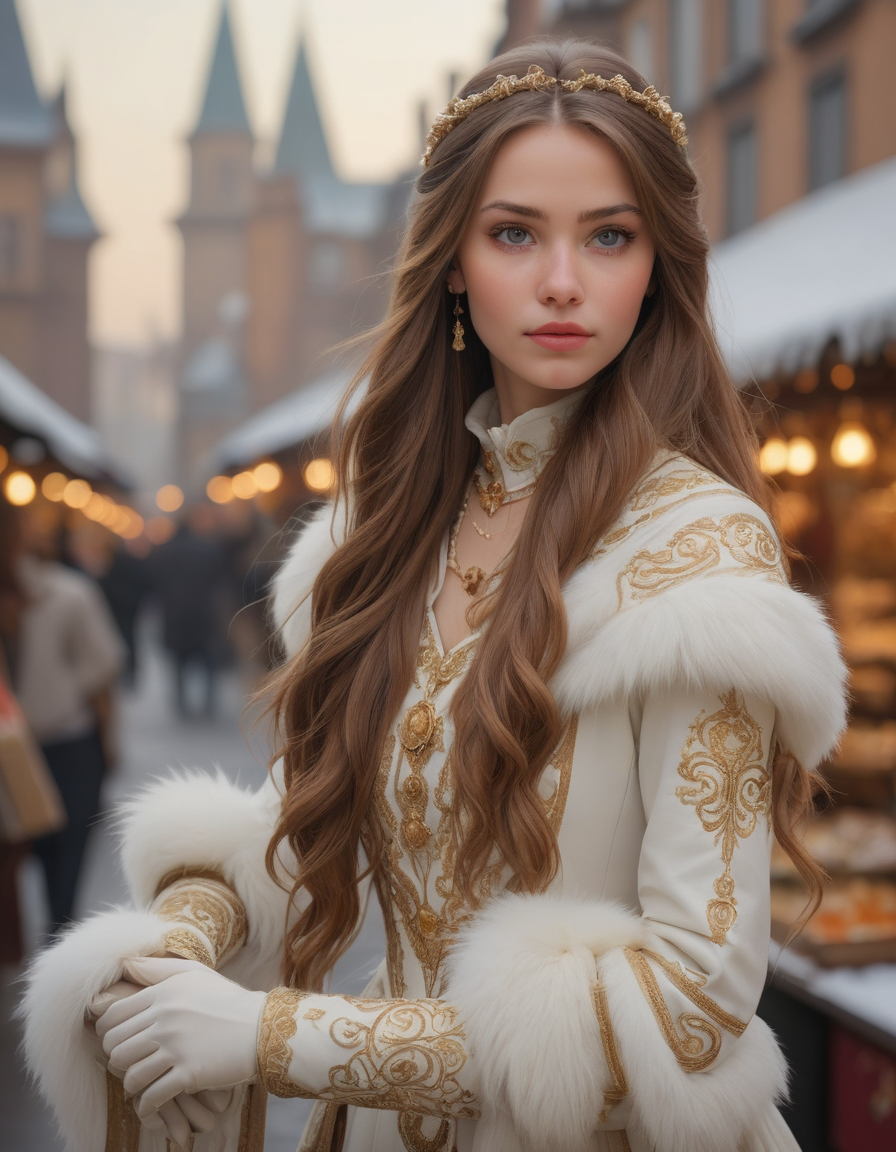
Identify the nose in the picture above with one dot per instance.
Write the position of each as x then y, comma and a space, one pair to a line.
561, 282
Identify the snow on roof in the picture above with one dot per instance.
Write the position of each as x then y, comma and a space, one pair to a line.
31, 412
292, 420
823, 268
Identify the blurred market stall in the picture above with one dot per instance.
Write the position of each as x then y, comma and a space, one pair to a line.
806, 308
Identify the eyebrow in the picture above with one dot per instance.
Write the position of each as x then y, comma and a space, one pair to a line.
584, 217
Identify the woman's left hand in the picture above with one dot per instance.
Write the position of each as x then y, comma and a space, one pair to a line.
188, 1030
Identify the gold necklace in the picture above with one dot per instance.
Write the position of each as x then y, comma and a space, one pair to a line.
494, 495
471, 579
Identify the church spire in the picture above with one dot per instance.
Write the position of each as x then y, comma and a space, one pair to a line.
24, 119
303, 146
223, 109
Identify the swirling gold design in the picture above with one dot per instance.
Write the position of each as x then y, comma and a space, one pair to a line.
723, 764
410, 1129
407, 1059
274, 1052
210, 918
655, 488
696, 549
697, 1041
692, 989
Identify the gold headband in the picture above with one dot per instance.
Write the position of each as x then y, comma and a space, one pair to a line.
537, 80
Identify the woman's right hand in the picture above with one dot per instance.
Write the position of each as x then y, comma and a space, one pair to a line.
186, 1113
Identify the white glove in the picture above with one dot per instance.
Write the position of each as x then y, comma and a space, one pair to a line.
185, 1114
189, 1030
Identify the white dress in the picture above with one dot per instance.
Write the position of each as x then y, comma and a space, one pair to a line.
617, 1009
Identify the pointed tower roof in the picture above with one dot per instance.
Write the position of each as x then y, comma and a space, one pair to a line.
303, 146
223, 109
67, 216
24, 120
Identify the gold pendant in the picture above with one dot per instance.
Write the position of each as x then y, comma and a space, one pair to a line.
491, 497
471, 580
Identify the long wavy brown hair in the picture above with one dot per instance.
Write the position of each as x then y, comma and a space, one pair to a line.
409, 458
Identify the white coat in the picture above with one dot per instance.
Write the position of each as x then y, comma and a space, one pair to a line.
616, 1010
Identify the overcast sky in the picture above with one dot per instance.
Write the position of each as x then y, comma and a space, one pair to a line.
136, 71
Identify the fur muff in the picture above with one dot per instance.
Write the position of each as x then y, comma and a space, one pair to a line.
521, 976
712, 633
199, 820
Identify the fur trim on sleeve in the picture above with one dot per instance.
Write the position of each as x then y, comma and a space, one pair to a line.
521, 978
291, 594
204, 821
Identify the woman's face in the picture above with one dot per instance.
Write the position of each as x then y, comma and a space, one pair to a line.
556, 261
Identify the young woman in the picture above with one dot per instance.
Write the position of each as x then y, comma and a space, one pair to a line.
548, 688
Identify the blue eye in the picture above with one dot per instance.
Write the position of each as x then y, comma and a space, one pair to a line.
513, 236
611, 238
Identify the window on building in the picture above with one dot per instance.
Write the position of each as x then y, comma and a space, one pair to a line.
745, 39
639, 47
742, 177
686, 53
328, 268
10, 247
827, 129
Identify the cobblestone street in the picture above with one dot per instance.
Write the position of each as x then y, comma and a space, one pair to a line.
152, 738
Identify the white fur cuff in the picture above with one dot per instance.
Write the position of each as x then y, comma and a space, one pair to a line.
522, 976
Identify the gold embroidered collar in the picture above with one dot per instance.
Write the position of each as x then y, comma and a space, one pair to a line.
514, 454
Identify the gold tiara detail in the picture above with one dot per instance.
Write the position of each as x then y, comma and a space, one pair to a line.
537, 80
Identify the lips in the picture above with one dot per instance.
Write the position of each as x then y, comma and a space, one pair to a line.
560, 337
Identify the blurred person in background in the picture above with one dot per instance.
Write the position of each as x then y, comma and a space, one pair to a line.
63, 653
122, 578
189, 576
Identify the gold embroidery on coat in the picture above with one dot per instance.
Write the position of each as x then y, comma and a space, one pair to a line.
728, 785
186, 944
410, 1129
618, 1090
208, 906
277, 1028
688, 1047
314, 1014
691, 989
412, 877
697, 548
654, 488
407, 1058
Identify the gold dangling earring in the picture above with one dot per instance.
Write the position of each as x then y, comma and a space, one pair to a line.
458, 343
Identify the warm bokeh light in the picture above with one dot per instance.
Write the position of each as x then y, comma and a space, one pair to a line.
158, 529
169, 498
843, 377
19, 488
133, 526
319, 474
219, 490
53, 485
76, 493
268, 476
4, 457
95, 508
852, 446
244, 486
806, 381
772, 456
801, 456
